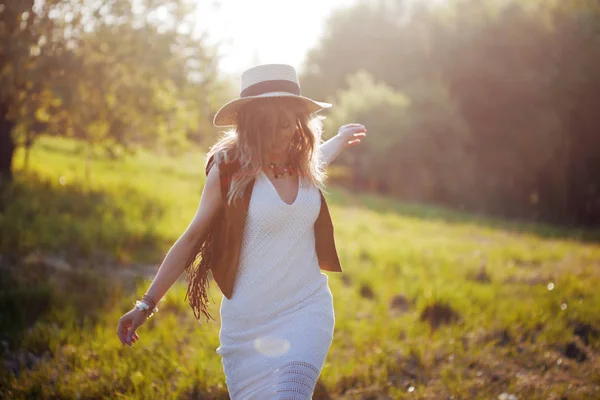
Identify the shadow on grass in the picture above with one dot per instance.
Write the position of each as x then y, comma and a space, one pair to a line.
79, 227
41, 310
382, 204
77, 223
34, 297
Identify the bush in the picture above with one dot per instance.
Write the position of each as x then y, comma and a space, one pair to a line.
416, 144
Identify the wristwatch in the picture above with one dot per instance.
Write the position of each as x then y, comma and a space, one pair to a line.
143, 306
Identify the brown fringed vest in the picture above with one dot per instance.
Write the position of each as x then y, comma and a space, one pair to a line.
219, 250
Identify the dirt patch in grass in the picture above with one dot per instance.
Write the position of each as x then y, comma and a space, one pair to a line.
366, 291
438, 314
400, 304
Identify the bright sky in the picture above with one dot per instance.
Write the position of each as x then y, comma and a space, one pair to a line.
266, 31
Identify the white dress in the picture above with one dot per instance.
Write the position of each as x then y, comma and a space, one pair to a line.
277, 328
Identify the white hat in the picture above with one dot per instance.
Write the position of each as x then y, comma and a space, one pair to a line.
268, 80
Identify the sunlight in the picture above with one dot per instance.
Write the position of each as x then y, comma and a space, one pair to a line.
268, 31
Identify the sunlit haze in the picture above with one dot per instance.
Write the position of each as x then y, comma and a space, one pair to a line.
268, 31
265, 31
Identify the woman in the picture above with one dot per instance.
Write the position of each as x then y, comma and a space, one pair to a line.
263, 229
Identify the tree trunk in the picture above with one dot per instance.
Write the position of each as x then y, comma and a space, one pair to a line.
27, 148
7, 145
26, 159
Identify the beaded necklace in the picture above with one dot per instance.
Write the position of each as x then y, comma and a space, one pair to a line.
279, 170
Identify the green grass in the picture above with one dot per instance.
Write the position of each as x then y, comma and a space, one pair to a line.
522, 296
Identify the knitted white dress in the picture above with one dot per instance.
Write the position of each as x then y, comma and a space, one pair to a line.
277, 328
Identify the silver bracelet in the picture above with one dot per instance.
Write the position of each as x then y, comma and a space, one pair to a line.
144, 307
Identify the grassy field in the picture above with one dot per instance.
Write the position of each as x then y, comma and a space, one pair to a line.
432, 304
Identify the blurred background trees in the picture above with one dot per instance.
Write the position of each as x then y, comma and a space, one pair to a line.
500, 110
114, 74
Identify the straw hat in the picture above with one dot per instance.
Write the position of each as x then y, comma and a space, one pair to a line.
262, 81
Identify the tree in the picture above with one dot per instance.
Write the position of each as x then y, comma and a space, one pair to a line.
510, 87
417, 140
115, 76
20, 53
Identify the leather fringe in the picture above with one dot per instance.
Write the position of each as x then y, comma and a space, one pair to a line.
198, 278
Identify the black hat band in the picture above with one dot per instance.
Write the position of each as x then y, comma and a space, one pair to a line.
271, 86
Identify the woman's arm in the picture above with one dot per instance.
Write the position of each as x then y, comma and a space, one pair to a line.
177, 257
348, 135
175, 261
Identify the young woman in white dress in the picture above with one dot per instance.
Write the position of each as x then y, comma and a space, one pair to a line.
277, 327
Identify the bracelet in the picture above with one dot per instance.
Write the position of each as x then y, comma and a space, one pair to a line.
149, 300
144, 307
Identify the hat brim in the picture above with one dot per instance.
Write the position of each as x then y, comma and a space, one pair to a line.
227, 115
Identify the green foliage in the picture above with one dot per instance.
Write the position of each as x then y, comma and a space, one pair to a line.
381, 109
115, 77
419, 134
502, 96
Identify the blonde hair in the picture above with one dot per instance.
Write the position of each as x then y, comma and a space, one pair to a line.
256, 127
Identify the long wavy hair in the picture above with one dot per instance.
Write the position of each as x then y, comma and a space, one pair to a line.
250, 141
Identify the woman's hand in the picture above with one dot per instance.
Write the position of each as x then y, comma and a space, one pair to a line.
348, 135
351, 134
127, 325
